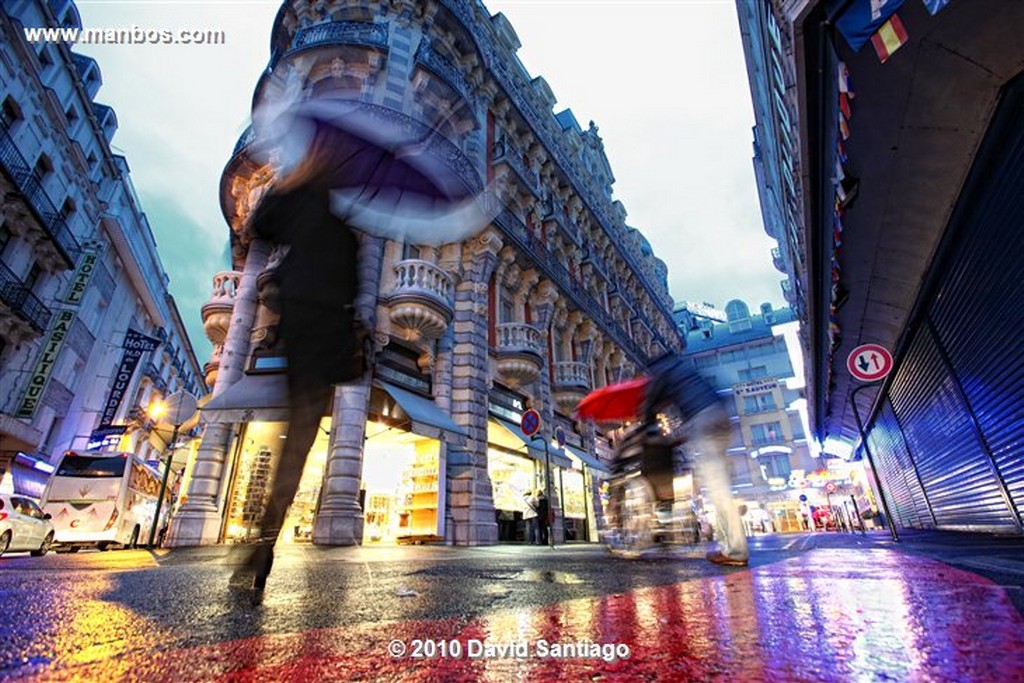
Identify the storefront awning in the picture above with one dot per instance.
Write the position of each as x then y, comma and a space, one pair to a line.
254, 397
588, 459
425, 417
535, 449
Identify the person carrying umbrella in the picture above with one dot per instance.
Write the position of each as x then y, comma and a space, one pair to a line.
673, 381
317, 285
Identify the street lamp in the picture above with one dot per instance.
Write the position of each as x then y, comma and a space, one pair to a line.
179, 408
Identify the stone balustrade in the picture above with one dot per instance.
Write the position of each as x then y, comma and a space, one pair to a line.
572, 374
519, 337
422, 301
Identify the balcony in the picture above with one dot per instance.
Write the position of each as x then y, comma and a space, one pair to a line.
422, 302
22, 314
572, 383
520, 353
777, 260
48, 218
505, 155
155, 376
217, 311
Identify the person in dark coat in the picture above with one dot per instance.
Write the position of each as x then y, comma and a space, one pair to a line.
543, 517
675, 381
317, 285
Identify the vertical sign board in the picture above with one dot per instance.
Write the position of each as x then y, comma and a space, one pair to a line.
40, 376
83, 273
135, 344
61, 326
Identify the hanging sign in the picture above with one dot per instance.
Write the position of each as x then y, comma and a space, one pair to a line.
135, 344
37, 382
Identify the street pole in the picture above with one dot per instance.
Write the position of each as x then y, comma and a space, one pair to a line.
860, 520
867, 452
163, 487
547, 487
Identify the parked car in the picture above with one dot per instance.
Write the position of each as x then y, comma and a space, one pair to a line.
24, 526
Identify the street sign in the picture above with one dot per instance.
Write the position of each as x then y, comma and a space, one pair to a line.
560, 436
530, 422
831, 487
869, 362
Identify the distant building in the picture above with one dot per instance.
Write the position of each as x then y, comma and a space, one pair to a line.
748, 359
79, 270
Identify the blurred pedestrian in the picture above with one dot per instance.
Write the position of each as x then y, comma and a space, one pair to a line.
316, 283
543, 517
530, 517
673, 381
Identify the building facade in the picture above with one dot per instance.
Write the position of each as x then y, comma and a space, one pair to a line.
905, 233
89, 332
750, 360
557, 295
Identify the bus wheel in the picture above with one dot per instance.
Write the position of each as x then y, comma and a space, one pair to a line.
134, 542
103, 547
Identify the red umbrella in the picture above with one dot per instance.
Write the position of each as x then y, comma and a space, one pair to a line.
615, 402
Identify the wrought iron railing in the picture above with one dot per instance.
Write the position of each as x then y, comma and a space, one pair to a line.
30, 186
20, 299
335, 33
449, 73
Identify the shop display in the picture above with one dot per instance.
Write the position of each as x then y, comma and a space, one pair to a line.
418, 513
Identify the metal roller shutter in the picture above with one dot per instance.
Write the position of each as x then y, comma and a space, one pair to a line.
896, 470
978, 313
954, 467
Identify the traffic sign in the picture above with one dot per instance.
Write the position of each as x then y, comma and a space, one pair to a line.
869, 362
560, 436
530, 422
830, 487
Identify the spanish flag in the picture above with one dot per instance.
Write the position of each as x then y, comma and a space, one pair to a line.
889, 38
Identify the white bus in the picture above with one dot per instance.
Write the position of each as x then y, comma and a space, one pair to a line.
103, 500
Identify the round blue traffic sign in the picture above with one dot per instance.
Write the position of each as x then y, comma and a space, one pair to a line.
530, 422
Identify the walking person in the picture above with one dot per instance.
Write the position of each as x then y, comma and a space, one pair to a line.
543, 517
317, 285
674, 381
530, 518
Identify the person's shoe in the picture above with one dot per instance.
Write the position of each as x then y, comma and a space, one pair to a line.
724, 560
255, 569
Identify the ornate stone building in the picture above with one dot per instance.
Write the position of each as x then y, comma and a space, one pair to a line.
555, 297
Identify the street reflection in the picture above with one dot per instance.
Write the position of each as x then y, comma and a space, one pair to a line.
824, 616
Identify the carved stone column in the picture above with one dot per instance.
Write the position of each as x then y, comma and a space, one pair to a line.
199, 519
340, 520
543, 308
469, 486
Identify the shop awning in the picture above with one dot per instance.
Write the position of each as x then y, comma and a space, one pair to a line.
425, 417
535, 449
589, 460
254, 397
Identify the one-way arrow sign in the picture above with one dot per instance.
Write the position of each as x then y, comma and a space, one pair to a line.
869, 362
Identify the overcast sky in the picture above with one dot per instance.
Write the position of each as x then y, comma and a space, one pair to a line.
664, 80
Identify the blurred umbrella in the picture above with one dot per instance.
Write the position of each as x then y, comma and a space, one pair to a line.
615, 402
390, 175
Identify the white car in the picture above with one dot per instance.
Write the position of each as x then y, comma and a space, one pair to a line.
23, 526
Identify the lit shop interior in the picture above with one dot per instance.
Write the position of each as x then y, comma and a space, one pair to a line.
402, 491
516, 466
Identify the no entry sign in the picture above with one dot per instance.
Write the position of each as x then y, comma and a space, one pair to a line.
869, 362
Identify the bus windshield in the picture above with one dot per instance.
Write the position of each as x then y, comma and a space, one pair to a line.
84, 466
